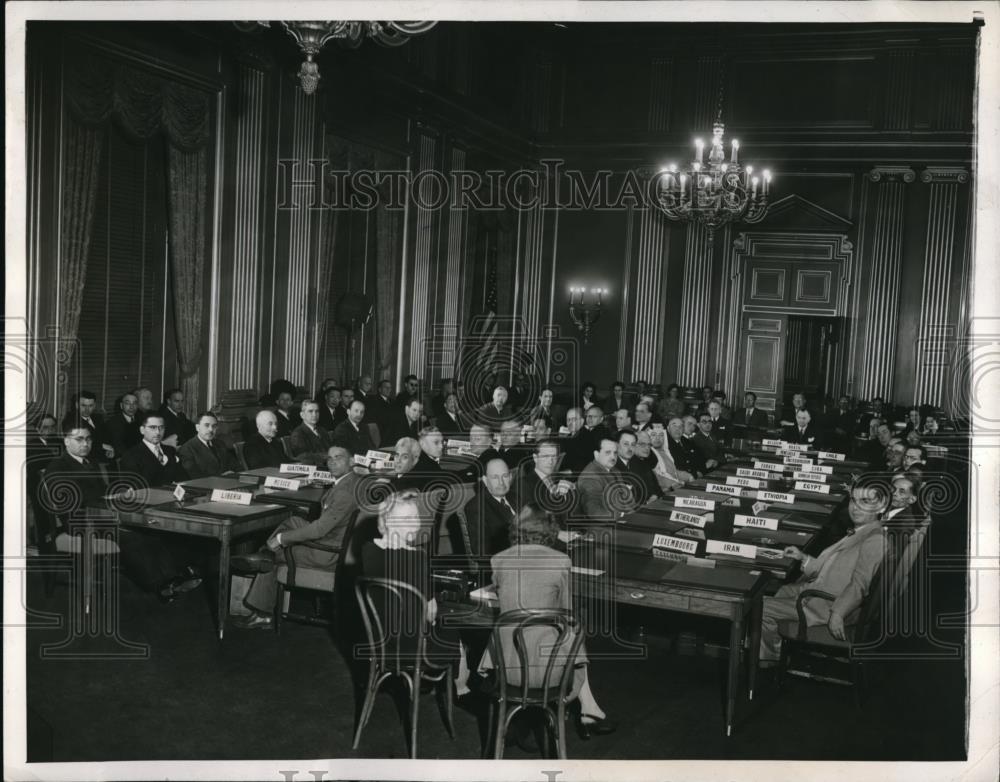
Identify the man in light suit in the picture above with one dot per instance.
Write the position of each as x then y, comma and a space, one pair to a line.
203, 455
844, 569
339, 502
604, 492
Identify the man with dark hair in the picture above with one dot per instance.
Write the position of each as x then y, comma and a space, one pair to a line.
844, 569
404, 422
605, 495
123, 426
490, 512
203, 456
720, 424
338, 505
449, 420
904, 507
682, 450
623, 420
749, 419
578, 444
708, 447
915, 455
309, 442
157, 464
804, 432
643, 416
788, 416
539, 482
329, 411
284, 409
409, 392
840, 426
437, 403
83, 413
707, 392
353, 432
644, 485
179, 428
264, 448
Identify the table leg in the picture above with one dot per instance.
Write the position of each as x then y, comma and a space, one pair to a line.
756, 616
223, 612
735, 643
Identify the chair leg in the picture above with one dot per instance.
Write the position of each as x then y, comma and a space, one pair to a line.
858, 682
368, 706
561, 730
501, 729
414, 713
279, 608
784, 662
445, 696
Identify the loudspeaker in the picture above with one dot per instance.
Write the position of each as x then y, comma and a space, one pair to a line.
354, 309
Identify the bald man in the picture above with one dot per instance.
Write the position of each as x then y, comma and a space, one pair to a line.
264, 449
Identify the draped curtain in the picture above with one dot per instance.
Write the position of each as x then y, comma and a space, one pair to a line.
97, 91
387, 228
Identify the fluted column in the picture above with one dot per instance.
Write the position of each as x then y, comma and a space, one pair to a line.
650, 296
696, 302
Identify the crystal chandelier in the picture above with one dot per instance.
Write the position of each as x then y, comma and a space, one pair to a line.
716, 193
312, 37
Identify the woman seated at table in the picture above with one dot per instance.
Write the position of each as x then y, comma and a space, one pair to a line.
401, 554
532, 574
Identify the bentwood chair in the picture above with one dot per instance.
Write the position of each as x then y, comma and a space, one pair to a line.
550, 694
240, 454
388, 609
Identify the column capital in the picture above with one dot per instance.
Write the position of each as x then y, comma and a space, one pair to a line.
892, 174
945, 175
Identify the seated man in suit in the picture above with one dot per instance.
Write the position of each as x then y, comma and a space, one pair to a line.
497, 410
720, 424
339, 504
707, 392
264, 449
682, 451
644, 485
427, 472
804, 432
40, 449
623, 420
146, 559
449, 420
605, 494
179, 427
840, 425
143, 400
409, 391
904, 506
404, 422
643, 416
309, 442
539, 482
346, 400
285, 410
724, 410
407, 453
202, 456
123, 426
544, 409
152, 462
83, 413
915, 455
787, 417
437, 403
705, 442
844, 569
748, 421
490, 512
352, 434
510, 449
329, 411
577, 447
894, 454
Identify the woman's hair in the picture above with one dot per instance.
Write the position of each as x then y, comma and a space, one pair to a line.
587, 384
533, 525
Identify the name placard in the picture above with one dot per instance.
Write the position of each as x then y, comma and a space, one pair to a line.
759, 507
759, 522
776, 496
745, 550
455, 443
826, 469
179, 493
232, 497
290, 484
822, 488
694, 502
687, 518
466, 451
773, 443
381, 455
721, 488
691, 532
743, 472
364, 461
749, 483
660, 553
796, 447
768, 467
797, 461
382, 464
675, 544
818, 477
322, 475
301, 469
839, 457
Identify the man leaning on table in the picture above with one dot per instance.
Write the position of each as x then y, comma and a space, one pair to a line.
339, 501
844, 569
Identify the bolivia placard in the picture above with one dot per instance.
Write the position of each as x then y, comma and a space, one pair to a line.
694, 502
760, 522
746, 550
822, 488
232, 497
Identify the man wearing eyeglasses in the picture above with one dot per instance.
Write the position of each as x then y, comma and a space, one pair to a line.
152, 461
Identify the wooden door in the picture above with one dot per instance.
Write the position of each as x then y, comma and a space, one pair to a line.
762, 358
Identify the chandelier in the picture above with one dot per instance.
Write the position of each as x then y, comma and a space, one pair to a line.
312, 37
717, 192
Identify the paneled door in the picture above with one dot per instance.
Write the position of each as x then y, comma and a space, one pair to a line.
762, 358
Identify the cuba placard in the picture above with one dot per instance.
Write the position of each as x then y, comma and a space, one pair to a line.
232, 497
687, 518
694, 502
820, 488
745, 550
675, 544
825, 469
288, 484
758, 522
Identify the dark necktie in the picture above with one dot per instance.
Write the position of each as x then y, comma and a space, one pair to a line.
506, 506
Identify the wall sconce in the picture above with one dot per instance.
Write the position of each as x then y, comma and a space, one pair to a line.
585, 315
